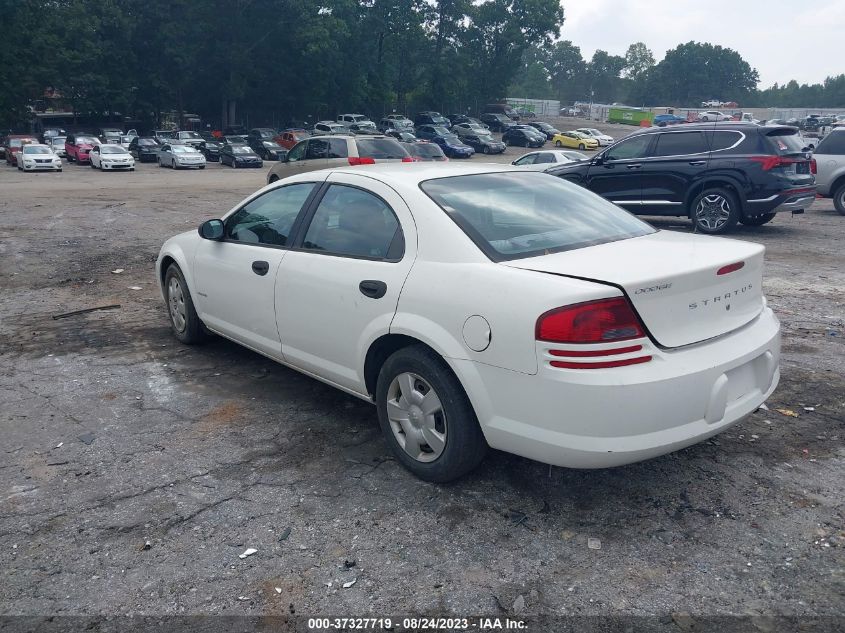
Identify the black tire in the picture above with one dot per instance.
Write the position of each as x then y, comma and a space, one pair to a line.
758, 220
839, 199
720, 200
486, 149
582, 147
160, 164
465, 446
558, 144
193, 330
273, 179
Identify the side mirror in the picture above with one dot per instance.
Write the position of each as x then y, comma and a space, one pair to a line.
598, 160
211, 230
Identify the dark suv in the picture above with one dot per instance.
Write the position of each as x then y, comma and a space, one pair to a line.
717, 174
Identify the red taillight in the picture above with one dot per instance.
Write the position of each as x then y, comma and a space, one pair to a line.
599, 321
813, 167
590, 353
361, 160
407, 159
770, 162
724, 270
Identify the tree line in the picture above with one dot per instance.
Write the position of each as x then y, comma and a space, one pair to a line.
688, 75
276, 60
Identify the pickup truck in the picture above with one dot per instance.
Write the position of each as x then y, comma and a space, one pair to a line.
830, 166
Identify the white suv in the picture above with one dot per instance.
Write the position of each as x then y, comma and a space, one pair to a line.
321, 152
830, 163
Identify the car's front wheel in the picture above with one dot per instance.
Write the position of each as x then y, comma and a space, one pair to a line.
758, 220
715, 211
839, 199
426, 417
184, 321
558, 144
582, 147
485, 149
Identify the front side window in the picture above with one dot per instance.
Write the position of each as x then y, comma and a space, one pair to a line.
297, 152
635, 147
354, 223
832, 144
681, 144
513, 215
269, 218
528, 159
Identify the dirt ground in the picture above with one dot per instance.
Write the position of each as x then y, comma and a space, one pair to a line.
135, 470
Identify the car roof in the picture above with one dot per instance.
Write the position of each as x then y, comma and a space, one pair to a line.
407, 175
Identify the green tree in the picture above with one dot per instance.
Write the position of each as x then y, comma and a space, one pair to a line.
638, 60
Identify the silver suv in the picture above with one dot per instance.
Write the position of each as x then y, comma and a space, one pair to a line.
322, 152
830, 166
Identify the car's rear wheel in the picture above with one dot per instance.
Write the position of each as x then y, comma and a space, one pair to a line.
160, 164
426, 417
758, 220
184, 321
715, 211
704, 119
839, 199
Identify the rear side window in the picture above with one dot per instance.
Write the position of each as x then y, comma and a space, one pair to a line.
833, 143
786, 141
723, 139
380, 148
337, 148
681, 144
354, 223
514, 215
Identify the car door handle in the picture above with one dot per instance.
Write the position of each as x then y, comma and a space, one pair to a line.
697, 163
634, 166
373, 288
260, 268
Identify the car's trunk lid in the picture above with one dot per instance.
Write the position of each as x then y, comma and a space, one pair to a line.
673, 281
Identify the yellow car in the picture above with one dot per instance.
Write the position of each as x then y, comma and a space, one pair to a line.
575, 140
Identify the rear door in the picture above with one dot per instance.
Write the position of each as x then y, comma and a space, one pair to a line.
677, 160
616, 175
338, 289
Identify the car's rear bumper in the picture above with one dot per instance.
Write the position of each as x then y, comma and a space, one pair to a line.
608, 417
790, 200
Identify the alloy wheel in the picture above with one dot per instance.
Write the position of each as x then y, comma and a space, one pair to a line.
416, 417
713, 212
176, 303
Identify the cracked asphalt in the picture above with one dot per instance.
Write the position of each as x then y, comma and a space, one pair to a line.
135, 470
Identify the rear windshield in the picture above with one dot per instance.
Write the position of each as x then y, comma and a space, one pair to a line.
786, 141
514, 215
380, 148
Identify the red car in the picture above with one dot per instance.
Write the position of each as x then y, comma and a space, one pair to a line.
289, 138
14, 142
77, 147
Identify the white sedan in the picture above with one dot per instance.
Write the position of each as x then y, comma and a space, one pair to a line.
38, 157
713, 115
111, 157
540, 161
484, 306
603, 139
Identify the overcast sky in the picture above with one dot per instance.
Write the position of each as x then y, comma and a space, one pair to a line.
782, 39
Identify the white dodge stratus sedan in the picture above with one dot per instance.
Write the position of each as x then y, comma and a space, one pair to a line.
485, 306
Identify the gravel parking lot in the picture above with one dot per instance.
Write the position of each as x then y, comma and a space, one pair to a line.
136, 470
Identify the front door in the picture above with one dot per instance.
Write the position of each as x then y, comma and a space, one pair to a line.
235, 278
338, 289
617, 176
